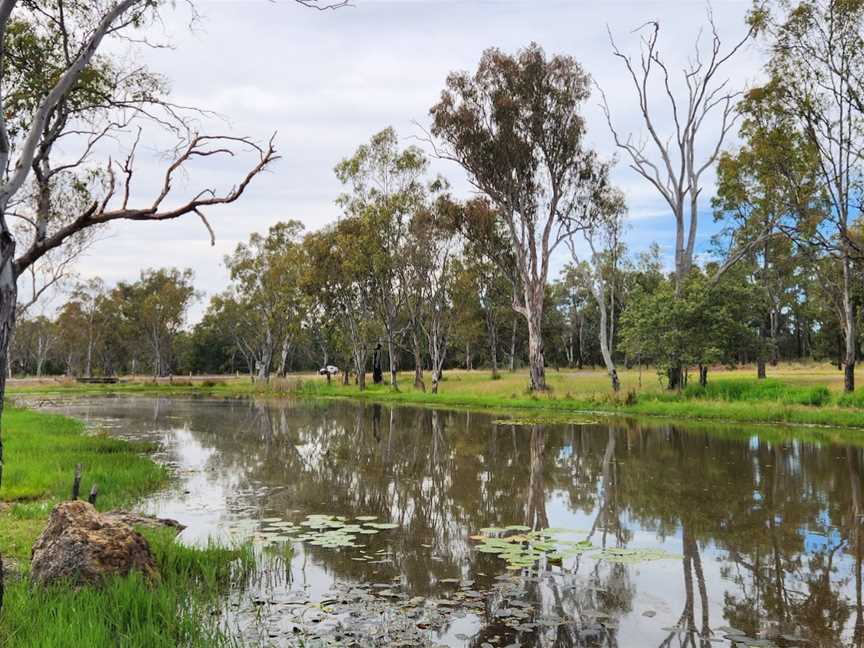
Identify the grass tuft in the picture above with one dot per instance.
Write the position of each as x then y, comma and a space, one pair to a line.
182, 610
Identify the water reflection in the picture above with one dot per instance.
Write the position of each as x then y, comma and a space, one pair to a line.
766, 533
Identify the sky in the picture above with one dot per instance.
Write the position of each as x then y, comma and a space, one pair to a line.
324, 82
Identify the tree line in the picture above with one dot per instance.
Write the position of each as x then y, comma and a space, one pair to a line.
411, 277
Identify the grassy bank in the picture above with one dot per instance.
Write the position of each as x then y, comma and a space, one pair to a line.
127, 611
805, 394
801, 395
41, 453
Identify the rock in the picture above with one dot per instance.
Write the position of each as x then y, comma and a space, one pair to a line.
146, 521
11, 569
82, 546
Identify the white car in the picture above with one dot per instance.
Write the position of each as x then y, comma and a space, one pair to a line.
331, 370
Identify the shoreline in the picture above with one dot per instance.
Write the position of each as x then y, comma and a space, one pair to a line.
830, 412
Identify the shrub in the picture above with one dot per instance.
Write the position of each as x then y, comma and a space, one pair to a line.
761, 390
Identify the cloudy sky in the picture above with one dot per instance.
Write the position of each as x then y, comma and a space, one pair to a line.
326, 81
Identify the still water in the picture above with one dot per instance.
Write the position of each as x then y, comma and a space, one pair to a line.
730, 538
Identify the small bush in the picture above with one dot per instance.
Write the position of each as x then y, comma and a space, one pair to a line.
762, 390
855, 399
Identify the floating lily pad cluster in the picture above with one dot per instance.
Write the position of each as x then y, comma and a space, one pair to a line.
523, 548
632, 556
330, 531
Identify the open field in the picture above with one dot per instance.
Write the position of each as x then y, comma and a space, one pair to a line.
809, 394
41, 453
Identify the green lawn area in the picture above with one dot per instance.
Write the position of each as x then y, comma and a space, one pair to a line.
807, 394
799, 394
41, 453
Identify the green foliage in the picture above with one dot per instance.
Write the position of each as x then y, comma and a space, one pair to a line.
761, 390
706, 324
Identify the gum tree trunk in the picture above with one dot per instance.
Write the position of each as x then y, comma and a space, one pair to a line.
493, 349
513, 348
850, 329
536, 364
676, 377
8, 300
391, 355
600, 298
418, 361
284, 355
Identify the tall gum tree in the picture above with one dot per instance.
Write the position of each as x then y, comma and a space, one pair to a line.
385, 189
602, 235
702, 111
816, 72
20, 147
516, 127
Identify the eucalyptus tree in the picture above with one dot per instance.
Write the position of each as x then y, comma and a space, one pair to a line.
33, 345
155, 307
770, 185
484, 298
385, 189
266, 280
90, 296
816, 73
24, 118
517, 129
440, 247
228, 315
575, 299
488, 267
339, 275
602, 232
701, 115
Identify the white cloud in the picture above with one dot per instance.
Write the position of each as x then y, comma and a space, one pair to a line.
325, 81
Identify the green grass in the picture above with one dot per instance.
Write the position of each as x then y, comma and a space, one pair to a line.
728, 397
739, 389
43, 449
41, 453
801, 394
128, 611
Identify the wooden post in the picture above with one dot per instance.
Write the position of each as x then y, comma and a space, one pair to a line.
93, 493
76, 484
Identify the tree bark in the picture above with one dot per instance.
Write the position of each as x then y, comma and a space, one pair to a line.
377, 373
418, 361
536, 363
703, 375
8, 300
392, 356
283, 357
513, 348
605, 350
760, 369
676, 377
493, 350
850, 328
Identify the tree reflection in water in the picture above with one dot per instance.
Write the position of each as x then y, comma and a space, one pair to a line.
767, 527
